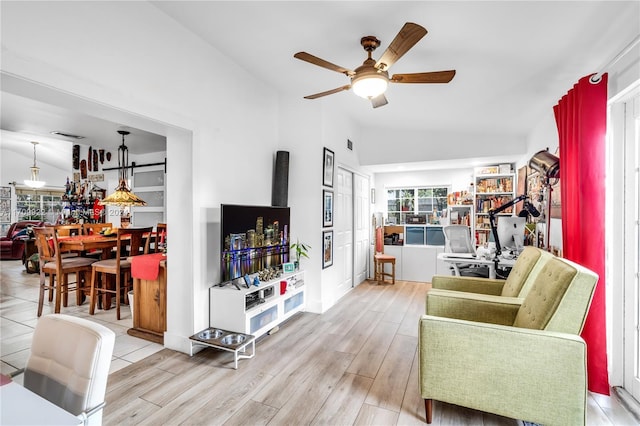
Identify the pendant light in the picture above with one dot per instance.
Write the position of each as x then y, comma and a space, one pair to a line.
34, 182
123, 196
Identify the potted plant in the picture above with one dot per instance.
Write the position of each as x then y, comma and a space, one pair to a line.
301, 251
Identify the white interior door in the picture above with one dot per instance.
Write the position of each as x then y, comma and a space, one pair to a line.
631, 236
623, 242
343, 231
360, 228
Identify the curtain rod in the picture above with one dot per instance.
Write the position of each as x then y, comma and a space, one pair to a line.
597, 76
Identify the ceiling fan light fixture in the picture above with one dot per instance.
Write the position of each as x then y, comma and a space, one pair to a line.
34, 182
370, 84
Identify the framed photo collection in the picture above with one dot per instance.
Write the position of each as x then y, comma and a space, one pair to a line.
327, 249
328, 167
327, 208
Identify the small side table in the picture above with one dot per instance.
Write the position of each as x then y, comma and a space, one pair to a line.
30, 249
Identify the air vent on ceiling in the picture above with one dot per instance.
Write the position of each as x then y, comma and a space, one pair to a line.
67, 135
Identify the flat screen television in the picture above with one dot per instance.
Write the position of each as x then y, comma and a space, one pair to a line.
253, 238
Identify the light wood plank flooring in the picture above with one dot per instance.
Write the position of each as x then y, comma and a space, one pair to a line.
354, 365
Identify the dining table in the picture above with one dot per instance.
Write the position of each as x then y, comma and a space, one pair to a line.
83, 244
21, 406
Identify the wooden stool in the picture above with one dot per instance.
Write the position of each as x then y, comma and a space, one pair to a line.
380, 260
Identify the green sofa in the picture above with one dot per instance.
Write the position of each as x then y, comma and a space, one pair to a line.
517, 357
517, 284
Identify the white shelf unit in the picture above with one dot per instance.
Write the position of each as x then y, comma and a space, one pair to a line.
237, 310
492, 190
149, 184
461, 214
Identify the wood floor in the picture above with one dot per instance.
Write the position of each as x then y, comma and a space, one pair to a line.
354, 365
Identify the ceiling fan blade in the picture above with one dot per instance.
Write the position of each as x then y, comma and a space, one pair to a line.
424, 77
408, 36
307, 57
328, 92
379, 101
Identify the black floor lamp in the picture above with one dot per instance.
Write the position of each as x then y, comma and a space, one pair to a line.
548, 165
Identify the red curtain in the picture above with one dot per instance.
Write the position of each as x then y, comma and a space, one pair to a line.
581, 117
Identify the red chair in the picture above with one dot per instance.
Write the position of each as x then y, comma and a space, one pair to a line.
12, 245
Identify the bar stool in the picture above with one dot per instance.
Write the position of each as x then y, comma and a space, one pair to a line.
380, 259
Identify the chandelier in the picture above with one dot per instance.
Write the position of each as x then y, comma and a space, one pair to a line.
34, 182
123, 196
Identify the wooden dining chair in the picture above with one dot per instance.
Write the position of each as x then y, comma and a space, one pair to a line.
161, 237
95, 228
68, 230
137, 241
58, 268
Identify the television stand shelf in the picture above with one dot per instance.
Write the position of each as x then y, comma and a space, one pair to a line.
258, 309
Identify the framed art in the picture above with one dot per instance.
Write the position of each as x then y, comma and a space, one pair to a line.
5, 210
288, 267
327, 208
327, 249
327, 167
5, 192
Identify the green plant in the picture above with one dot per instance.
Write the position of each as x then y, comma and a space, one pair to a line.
301, 249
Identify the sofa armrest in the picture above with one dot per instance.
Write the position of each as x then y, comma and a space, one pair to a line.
534, 375
472, 306
468, 284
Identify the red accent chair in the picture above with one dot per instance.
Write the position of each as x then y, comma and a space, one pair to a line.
12, 245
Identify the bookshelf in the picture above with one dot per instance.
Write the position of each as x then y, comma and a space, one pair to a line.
494, 186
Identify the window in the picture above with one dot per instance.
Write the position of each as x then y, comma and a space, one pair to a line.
38, 205
425, 202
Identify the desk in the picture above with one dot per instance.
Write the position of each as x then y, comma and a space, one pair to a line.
20, 406
451, 258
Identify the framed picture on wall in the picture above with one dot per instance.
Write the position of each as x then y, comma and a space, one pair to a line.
327, 208
5, 192
327, 167
327, 249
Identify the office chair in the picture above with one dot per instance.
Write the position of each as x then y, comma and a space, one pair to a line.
457, 239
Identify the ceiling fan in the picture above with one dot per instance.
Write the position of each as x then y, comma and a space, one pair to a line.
370, 80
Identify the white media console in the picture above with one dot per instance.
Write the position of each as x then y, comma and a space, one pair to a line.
256, 310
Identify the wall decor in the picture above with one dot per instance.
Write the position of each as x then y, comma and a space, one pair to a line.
327, 208
327, 167
76, 157
98, 177
5, 192
327, 252
5, 210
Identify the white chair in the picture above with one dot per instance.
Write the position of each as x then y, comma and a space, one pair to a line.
69, 364
457, 239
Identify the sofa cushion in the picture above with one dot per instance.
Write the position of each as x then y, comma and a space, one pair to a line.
545, 294
521, 270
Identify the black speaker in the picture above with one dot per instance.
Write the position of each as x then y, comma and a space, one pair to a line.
280, 189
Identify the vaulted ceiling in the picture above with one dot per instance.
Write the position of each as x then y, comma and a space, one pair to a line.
513, 59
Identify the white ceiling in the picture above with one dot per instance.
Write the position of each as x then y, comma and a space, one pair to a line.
514, 60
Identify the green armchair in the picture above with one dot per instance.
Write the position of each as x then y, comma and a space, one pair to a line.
515, 357
517, 284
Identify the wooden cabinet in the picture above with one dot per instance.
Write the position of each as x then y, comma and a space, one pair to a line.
256, 310
150, 307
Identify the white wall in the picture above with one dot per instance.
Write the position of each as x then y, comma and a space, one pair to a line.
130, 63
